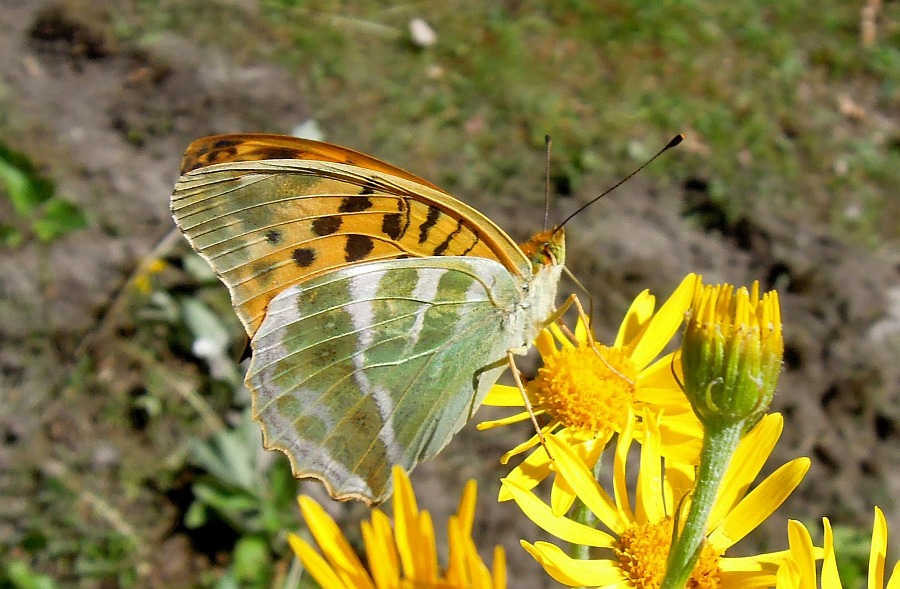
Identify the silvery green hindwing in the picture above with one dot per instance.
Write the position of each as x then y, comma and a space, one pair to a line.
381, 363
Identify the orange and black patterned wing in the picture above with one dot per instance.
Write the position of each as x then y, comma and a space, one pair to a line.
269, 212
247, 147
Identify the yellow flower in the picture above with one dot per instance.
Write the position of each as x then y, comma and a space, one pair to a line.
404, 557
798, 571
634, 554
589, 391
143, 281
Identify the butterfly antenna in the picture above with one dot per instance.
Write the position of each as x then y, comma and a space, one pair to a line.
547, 143
674, 142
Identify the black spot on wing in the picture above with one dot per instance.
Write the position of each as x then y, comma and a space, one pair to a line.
271, 152
223, 143
355, 204
392, 225
430, 221
442, 247
273, 236
304, 256
326, 225
471, 247
358, 247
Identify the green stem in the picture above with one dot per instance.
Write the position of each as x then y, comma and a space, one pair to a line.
583, 515
718, 446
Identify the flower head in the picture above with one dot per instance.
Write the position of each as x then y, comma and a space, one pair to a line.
588, 391
402, 557
731, 353
634, 552
798, 571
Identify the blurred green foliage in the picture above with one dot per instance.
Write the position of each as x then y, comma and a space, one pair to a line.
38, 212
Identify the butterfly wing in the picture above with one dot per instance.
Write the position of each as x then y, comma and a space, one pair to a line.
372, 365
264, 225
246, 147
379, 307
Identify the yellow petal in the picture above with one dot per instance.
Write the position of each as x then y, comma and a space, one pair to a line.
878, 551
562, 496
457, 568
498, 570
545, 342
752, 572
381, 553
664, 323
830, 577
529, 443
678, 483
658, 375
620, 472
466, 509
315, 564
381, 524
767, 563
514, 418
681, 440
406, 516
802, 554
502, 395
573, 572
649, 505
894, 581
759, 504
582, 482
788, 576
748, 459
640, 311
534, 469
425, 549
557, 525
334, 546
525, 446
581, 332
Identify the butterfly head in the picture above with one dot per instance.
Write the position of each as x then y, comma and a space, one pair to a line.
547, 248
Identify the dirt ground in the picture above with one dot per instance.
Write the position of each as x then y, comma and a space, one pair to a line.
72, 98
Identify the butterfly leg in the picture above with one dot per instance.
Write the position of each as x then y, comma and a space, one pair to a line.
517, 376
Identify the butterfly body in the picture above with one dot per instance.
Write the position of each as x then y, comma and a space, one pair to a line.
380, 309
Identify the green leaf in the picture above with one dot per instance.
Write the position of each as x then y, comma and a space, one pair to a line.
251, 559
10, 236
196, 515
24, 186
22, 577
59, 217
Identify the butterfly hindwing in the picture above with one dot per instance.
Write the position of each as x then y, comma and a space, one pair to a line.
372, 365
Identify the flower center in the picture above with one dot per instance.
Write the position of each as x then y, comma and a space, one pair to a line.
586, 388
644, 548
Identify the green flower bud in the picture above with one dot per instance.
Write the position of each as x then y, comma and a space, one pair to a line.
731, 353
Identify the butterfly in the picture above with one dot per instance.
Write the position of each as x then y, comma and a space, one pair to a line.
380, 309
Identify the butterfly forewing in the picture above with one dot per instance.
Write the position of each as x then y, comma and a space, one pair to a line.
266, 225
246, 147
